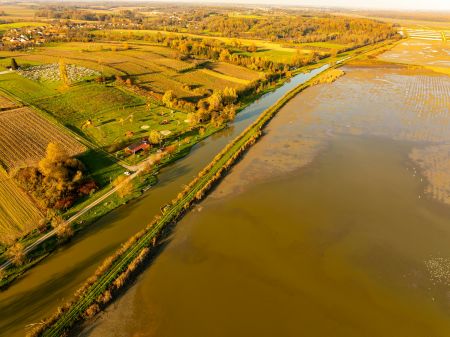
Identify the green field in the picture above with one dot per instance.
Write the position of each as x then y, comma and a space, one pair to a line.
6, 26
154, 67
113, 111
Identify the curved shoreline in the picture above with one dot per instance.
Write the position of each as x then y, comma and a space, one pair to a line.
132, 252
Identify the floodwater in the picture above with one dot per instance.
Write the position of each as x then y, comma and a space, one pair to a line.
329, 226
53, 281
422, 52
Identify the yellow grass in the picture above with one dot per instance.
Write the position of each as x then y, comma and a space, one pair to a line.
154, 67
18, 214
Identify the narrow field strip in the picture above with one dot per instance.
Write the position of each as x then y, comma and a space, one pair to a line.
224, 77
17, 212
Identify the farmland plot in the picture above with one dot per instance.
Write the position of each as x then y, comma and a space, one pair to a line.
6, 103
84, 102
25, 136
232, 70
18, 214
154, 67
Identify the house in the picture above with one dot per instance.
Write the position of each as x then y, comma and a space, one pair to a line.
137, 147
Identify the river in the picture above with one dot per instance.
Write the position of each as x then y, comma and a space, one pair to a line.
53, 281
333, 224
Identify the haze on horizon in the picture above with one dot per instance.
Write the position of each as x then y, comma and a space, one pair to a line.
434, 5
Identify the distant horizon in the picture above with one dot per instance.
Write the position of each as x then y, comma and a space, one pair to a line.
388, 5
417, 5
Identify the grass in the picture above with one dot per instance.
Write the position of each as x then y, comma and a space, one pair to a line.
151, 66
221, 76
25, 89
112, 110
18, 214
103, 169
71, 108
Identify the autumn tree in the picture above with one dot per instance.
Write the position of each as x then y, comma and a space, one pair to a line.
16, 254
57, 181
169, 98
215, 100
55, 154
224, 55
229, 113
192, 118
64, 231
123, 185
252, 48
229, 95
155, 137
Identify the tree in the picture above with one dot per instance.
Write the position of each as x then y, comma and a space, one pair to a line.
215, 101
192, 118
155, 137
16, 254
229, 95
169, 98
64, 231
55, 154
14, 65
224, 55
229, 113
123, 185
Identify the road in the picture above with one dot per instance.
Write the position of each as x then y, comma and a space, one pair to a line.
29, 248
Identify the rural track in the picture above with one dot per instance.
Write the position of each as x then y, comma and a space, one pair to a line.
74, 217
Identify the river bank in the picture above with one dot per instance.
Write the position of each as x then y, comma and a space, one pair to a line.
24, 302
360, 237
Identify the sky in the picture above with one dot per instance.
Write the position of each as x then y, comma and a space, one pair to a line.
437, 5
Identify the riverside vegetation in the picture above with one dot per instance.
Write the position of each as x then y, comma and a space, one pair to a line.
168, 89
117, 269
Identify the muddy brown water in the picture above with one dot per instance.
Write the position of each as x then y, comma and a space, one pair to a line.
325, 228
53, 281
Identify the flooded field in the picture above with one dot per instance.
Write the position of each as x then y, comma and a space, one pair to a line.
53, 281
335, 224
422, 52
